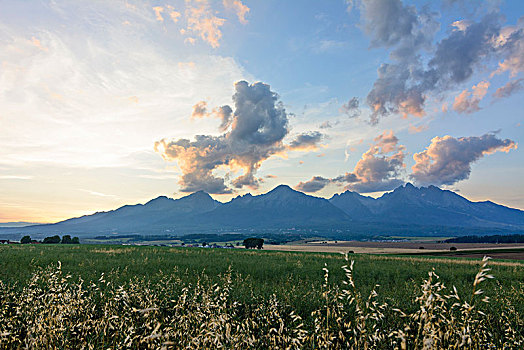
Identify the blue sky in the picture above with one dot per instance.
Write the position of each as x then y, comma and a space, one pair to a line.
89, 88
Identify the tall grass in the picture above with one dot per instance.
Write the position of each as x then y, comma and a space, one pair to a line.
57, 310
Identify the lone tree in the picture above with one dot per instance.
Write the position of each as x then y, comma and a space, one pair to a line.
26, 240
253, 243
75, 240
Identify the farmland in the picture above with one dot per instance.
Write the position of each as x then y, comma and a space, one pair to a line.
403, 246
143, 297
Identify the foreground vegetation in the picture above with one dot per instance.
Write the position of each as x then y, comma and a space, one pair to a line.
154, 297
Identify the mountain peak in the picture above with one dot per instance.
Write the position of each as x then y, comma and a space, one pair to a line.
199, 194
159, 199
283, 191
283, 188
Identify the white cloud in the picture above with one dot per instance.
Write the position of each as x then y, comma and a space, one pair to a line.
90, 99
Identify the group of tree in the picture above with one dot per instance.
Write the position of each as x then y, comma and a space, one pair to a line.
516, 238
253, 243
66, 239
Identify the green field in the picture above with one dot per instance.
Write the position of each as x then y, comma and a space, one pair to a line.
293, 281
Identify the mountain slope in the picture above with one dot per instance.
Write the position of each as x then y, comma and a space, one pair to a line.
161, 214
282, 206
407, 207
428, 206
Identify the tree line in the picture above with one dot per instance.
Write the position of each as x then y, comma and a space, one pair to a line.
66, 239
516, 238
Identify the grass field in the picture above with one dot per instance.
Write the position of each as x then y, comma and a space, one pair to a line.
259, 281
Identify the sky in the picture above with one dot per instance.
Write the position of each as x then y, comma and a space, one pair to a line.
107, 103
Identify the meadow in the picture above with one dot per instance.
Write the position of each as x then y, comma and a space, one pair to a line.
102, 296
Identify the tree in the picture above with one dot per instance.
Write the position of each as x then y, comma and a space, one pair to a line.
75, 240
52, 240
66, 239
253, 243
26, 240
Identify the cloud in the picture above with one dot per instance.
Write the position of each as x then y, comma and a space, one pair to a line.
416, 129
223, 113
328, 45
98, 194
314, 185
252, 133
509, 89
202, 21
240, 9
325, 125
461, 25
468, 102
38, 44
448, 160
511, 41
49, 93
457, 55
306, 141
199, 110
158, 13
404, 84
351, 108
378, 169
175, 15
388, 22
16, 177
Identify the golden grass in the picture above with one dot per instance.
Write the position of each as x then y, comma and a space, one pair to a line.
457, 261
112, 251
54, 312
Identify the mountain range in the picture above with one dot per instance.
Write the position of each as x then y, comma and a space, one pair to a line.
407, 209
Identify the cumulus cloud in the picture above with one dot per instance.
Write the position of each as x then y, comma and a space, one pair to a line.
468, 101
351, 108
306, 141
509, 89
378, 169
314, 185
388, 22
448, 160
252, 133
404, 84
240, 9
